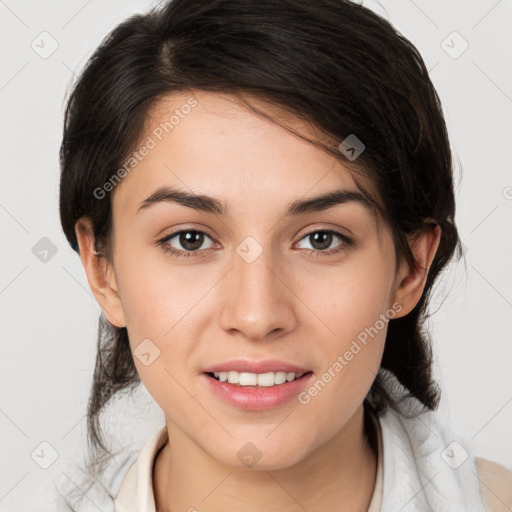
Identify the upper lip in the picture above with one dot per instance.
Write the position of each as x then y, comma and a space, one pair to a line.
263, 366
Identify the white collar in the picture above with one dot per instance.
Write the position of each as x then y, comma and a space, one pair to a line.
136, 491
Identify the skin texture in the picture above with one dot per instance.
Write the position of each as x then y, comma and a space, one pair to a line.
290, 303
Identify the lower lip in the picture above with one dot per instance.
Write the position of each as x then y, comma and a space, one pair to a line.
256, 398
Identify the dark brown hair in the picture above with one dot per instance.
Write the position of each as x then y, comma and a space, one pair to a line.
332, 63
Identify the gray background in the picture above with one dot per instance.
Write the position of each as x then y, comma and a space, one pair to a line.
49, 317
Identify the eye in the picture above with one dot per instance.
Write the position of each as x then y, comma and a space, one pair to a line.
190, 240
322, 239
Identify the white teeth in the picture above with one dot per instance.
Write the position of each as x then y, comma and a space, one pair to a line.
233, 377
256, 379
267, 379
248, 379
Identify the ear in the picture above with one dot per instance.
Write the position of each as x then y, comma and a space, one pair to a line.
410, 281
100, 274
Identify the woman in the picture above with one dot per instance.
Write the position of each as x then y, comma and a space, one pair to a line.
261, 196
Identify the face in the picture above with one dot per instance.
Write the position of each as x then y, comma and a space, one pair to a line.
310, 289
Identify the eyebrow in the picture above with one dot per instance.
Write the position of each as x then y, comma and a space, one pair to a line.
211, 205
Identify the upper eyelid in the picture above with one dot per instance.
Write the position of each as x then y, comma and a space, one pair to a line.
186, 230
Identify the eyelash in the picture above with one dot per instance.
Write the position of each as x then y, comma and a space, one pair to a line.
346, 244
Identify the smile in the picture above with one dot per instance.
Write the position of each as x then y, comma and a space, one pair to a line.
257, 391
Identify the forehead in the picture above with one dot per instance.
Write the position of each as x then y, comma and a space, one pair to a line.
211, 144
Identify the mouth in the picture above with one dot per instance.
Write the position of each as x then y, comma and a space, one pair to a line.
257, 385
256, 380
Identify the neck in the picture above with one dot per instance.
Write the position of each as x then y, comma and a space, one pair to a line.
344, 469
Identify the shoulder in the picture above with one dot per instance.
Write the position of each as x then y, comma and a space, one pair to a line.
495, 485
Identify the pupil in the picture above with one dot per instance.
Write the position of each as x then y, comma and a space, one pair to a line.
321, 235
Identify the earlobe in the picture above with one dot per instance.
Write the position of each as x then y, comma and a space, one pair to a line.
411, 282
100, 274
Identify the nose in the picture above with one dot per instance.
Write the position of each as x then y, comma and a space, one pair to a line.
257, 299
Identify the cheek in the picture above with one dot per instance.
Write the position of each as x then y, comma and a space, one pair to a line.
352, 310
159, 304
348, 298
356, 306
164, 307
155, 296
